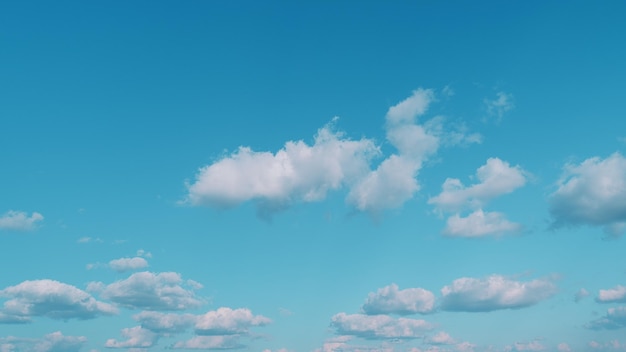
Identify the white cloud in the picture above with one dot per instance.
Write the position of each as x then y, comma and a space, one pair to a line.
89, 240
441, 338
615, 318
379, 326
592, 193
52, 299
296, 173
479, 224
580, 295
19, 221
496, 178
493, 293
53, 342
150, 291
612, 295
210, 343
499, 106
391, 300
127, 264
136, 337
165, 322
335, 344
526, 346
227, 321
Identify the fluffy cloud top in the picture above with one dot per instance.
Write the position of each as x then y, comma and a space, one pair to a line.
615, 318
495, 178
298, 172
592, 193
127, 264
612, 295
479, 224
150, 291
19, 221
493, 293
136, 337
52, 299
391, 300
379, 326
227, 321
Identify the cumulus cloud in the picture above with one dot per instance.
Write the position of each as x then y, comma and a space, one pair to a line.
493, 293
502, 104
128, 264
615, 318
52, 299
151, 291
379, 326
297, 173
391, 300
479, 224
227, 321
53, 342
592, 193
612, 295
495, 178
165, 322
19, 221
136, 337
210, 343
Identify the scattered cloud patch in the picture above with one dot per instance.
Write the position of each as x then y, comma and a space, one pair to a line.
168, 323
526, 346
136, 337
51, 299
19, 221
379, 326
580, 295
128, 264
151, 291
209, 343
563, 347
612, 295
53, 342
89, 240
497, 107
592, 193
613, 345
440, 338
493, 293
391, 300
227, 321
615, 318
480, 224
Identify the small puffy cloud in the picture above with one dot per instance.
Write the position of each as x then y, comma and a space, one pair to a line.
297, 173
493, 293
580, 295
165, 322
479, 224
502, 104
615, 318
379, 326
391, 300
83, 240
52, 299
53, 342
210, 343
127, 264
526, 346
334, 344
440, 338
227, 321
592, 193
495, 178
19, 221
136, 337
612, 295
151, 291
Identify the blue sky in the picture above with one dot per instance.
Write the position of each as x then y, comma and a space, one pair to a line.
312, 176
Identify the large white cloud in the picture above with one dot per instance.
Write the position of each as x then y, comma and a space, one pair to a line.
379, 326
612, 295
297, 173
391, 300
19, 221
128, 264
227, 321
615, 318
52, 299
136, 337
493, 293
151, 291
592, 193
495, 178
53, 342
479, 224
